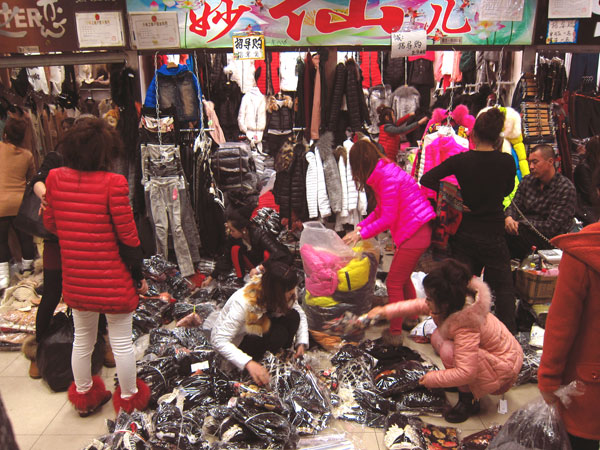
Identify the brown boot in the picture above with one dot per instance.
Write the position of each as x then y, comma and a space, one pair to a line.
29, 349
109, 357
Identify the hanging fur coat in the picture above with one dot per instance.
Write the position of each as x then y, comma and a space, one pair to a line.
290, 182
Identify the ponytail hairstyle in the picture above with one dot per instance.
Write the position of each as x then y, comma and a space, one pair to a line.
447, 285
488, 128
277, 279
386, 114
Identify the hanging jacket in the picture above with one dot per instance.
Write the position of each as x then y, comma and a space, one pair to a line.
212, 120
330, 172
228, 97
487, 357
279, 113
268, 80
337, 96
290, 183
420, 70
436, 153
401, 207
405, 100
355, 97
316, 190
394, 72
287, 71
369, 65
252, 118
185, 96
90, 214
571, 350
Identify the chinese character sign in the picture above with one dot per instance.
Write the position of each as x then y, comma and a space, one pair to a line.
562, 31
248, 46
213, 23
409, 43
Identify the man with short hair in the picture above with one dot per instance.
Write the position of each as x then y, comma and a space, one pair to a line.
543, 206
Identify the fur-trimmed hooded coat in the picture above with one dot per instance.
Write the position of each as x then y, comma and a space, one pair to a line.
241, 316
487, 357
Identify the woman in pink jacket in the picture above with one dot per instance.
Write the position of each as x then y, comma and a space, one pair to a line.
480, 354
401, 208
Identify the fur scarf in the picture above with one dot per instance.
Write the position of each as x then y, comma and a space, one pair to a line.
257, 321
272, 104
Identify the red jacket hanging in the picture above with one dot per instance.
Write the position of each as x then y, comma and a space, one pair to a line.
262, 81
370, 69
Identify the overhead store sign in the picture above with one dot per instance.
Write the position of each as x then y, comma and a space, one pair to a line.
409, 43
46, 25
212, 23
248, 46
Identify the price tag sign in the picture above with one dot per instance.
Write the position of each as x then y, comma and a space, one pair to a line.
409, 43
249, 46
101, 29
562, 31
154, 30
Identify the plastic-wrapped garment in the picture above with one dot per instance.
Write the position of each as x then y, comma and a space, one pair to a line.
197, 392
402, 377
338, 441
537, 426
480, 440
387, 355
233, 430
351, 352
163, 276
362, 406
226, 287
157, 307
305, 396
268, 219
422, 401
201, 311
127, 432
321, 268
157, 268
205, 265
144, 321
158, 374
531, 361
263, 420
403, 432
438, 437
183, 428
356, 374
349, 324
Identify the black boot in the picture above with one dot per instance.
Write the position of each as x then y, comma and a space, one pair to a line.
466, 407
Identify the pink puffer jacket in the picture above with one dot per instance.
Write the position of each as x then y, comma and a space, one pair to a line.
436, 153
401, 206
321, 269
487, 357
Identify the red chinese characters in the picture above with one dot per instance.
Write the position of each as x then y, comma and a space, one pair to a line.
230, 17
437, 13
286, 9
391, 20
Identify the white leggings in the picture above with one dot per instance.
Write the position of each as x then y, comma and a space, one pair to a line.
86, 333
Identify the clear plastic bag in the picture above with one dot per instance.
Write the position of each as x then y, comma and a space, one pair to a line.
537, 425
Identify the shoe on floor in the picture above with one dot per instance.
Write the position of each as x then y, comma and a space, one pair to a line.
91, 401
138, 401
466, 407
394, 340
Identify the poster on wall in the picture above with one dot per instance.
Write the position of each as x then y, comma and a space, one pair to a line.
100, 29
569, 9
562, 31
212, 23
47, 25
154, 30
502, 10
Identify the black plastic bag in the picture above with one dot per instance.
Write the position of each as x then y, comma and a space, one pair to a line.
422, 401
126, 432
176, 427
351, 352
480, 440
388, 354
401, 377
53, 356
159, 375
198, 392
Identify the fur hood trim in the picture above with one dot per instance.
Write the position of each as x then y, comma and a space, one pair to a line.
340, 152
257, 322
273, 105
473, 314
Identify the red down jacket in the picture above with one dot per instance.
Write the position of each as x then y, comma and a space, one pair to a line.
90, 214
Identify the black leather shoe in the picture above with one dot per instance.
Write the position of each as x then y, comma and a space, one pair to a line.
466, 407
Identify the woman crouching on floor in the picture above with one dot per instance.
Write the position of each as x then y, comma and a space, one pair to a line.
262, 316
479, 353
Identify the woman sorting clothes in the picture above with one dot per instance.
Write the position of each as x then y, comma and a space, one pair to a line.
262, 316
480, 354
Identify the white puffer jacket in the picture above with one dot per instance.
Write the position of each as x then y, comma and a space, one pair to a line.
316, 190
252, 118
230, 328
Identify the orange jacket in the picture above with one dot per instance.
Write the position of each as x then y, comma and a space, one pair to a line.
572, 338
487, 357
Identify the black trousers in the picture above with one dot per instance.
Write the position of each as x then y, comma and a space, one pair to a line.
578, 443
280, 335
520, 245
489, 253
26, 241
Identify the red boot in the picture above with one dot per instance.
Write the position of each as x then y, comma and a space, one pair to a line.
91, 401
139, 401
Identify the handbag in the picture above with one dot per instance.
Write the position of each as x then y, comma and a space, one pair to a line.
29, 219
449, 211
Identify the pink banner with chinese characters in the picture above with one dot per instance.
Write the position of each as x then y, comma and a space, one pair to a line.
211, 23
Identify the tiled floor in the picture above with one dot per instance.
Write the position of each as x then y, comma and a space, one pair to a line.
43, 420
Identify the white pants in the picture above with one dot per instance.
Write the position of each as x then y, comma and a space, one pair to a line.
119, 332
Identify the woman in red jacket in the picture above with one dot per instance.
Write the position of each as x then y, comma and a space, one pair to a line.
88, 209
391, 132
571, 350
